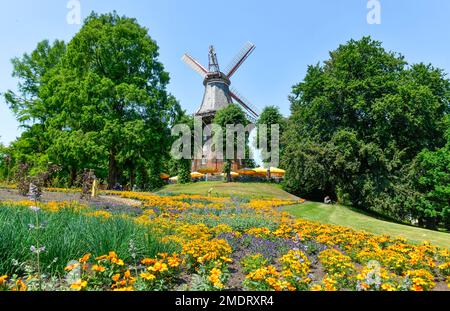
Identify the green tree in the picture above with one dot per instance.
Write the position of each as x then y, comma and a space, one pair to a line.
28, 104
231, 115
98, 102
269, 116
358, 120
5, 163
115, 86
429, 175
74, 151
184, 165
32, 71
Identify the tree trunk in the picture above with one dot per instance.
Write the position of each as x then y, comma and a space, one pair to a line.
73, 176
112, 171
132, 177
228, 170
143, 180
229, 177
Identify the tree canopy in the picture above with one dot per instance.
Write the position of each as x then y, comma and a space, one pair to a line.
235, 116
270, 116
99, 102
358, 120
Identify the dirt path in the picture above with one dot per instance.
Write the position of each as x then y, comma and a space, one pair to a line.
125, 201
113, 204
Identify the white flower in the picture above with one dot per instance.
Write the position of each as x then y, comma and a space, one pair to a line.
35, 208
39, 250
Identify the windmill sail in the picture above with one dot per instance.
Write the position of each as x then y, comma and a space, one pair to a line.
240, 58
191, 62
251, 111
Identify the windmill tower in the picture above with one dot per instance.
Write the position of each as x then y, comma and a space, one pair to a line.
218, 94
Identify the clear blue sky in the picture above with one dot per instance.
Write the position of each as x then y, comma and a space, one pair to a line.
289, 35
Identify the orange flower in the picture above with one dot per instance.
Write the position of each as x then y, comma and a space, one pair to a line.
3, 279
148, 261
85, 258
173, 262
112, 255
71, 267
20, 286
98, 268
101, 257
116, 277
161, 267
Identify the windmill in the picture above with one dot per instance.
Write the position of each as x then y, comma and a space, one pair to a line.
218, 93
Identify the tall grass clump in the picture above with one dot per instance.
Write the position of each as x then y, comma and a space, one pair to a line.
68, 235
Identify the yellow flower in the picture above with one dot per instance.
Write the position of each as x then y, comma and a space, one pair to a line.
214, 277
148, 276
127, 275
387, 287
117, 261
124, 289
98, 268
316, 287
161, 267
78, 285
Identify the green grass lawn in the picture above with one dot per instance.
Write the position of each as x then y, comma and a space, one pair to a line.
251, 190
344, 216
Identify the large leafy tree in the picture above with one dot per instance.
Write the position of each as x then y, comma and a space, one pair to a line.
358, 120
231, 115
32, 71
100, 101
110, 82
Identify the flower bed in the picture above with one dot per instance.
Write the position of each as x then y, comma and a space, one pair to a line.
218, 243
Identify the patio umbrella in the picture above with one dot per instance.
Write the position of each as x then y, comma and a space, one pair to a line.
273, 170
277, 171
260, 170
164, 176
197, 175
207, 170
247, 171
